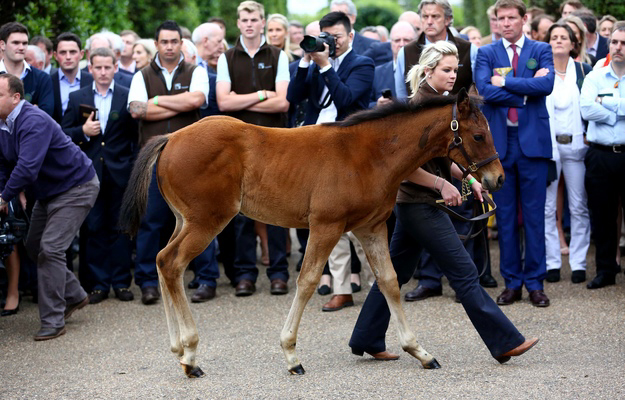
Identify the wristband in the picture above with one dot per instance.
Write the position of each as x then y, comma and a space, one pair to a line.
155, 100
260, 95
472, 181
436, 182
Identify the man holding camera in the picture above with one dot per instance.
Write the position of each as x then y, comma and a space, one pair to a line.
36, 155
337, 84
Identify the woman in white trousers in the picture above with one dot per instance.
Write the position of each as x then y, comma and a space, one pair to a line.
569, 149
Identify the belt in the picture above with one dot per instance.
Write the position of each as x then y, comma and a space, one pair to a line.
564, 139
615, 148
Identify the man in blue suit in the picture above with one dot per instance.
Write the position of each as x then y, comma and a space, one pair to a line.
345, 80
402, 33
514, 105
335, 87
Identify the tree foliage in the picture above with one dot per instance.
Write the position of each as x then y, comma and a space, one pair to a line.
474, 12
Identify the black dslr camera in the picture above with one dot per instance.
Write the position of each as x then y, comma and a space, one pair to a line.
12, 230
314, 44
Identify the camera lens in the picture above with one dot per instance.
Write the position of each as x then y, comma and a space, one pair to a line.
309, 44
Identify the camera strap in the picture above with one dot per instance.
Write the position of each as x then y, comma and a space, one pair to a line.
326, 101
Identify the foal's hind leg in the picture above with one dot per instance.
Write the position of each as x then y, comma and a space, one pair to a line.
172, 262
375, 244
170, 315
320, 244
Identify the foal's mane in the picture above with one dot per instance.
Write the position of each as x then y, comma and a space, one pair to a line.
399, 107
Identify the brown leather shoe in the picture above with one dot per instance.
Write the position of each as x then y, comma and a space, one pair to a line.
509, 296
517, 351
539, 298
278, 287
245, 287
385, 356
382, 356
337, 302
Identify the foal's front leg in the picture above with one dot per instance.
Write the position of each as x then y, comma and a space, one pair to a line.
320, 244
375, 245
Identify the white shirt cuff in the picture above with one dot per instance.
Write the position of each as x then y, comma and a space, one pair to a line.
324, 69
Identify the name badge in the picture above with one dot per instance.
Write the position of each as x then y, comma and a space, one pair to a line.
178, 86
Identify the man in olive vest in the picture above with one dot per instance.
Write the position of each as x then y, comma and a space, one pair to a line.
437, 17
252, 81
166, 95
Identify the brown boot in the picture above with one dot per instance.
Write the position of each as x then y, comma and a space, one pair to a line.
337, 302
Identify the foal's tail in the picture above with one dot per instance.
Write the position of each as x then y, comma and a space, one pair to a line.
136, 194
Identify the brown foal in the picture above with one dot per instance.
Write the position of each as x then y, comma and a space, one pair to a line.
331, 178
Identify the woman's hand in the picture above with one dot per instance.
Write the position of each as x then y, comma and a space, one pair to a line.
477, 189
450, 194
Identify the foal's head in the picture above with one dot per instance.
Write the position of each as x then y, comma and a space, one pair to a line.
472, 146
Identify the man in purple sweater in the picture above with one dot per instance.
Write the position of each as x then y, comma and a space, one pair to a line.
36, 156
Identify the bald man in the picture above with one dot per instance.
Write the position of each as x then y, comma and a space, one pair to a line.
208, 39
402, 33
413, 19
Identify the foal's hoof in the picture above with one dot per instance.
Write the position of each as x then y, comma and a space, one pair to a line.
193, 372
297, 370
432, 364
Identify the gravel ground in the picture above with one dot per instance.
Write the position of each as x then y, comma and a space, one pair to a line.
115, 350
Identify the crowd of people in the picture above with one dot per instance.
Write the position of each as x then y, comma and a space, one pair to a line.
552, 93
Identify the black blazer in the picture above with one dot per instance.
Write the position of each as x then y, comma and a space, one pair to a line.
603, 48
85, 80
118, 146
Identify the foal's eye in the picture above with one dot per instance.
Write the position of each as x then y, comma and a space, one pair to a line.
478, 138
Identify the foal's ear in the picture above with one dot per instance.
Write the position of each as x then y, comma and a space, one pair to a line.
464, 103
462, 95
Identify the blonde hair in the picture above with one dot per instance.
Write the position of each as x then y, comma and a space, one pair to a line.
148, 45
468, 29
431, 55
251, 6
285, 24
583, 55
